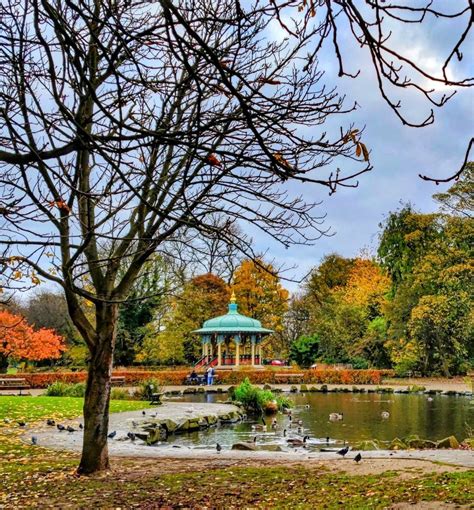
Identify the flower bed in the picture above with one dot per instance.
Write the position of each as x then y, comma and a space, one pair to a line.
177, 377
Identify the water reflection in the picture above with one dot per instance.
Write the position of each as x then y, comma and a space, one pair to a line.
409, 414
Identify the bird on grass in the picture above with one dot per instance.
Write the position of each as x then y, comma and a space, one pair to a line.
385, 415
131, 436
34, 440
112, 434
218, 448
70, 429
358, 458
297, 442
343, 451
22, 424
60, 427
50, 422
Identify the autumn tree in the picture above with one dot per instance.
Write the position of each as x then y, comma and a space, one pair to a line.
429, 316
18, 341
345, 300
203, 297
261, 295
124, 123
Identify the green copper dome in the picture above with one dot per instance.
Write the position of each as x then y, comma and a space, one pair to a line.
232, 322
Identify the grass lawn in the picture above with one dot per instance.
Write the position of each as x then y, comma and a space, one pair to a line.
35, 477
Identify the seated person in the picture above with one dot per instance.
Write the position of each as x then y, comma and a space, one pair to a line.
193, 376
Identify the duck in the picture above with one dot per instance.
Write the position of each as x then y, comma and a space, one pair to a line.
299, 422
295, 441
300, 430
274, 424
430, 399
307, 406
336, 416
284, 433
261, 427
385, 415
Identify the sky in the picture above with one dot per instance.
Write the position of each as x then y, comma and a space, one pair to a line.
398, 153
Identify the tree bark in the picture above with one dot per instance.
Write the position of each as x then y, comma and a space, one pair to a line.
95, 454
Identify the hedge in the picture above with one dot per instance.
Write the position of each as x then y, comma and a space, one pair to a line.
177, 377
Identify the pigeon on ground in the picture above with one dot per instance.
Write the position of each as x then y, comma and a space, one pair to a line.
135, 424
70, 429
50, 422
34, 440
81, 426
112, 434
358, 458
131, 435
22, 424
60, 427
218, 448
7, 420
343, 451
143, 412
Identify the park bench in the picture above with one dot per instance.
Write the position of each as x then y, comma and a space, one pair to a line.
290, 377
117, 380
156, 398
12, 383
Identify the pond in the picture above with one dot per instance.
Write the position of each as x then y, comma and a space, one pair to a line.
431, 417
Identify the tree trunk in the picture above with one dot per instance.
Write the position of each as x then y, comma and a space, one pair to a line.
95, 455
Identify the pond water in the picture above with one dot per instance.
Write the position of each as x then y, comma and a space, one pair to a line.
409, 414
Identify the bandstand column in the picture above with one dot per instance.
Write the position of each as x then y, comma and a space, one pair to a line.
237, 353
253, 353
259, 354
219, 355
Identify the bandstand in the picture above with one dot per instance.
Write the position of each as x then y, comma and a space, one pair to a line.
232, 340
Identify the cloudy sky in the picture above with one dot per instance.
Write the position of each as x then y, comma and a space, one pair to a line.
398, 153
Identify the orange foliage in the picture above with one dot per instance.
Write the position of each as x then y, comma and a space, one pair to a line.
366, 284
177, 377
18, 340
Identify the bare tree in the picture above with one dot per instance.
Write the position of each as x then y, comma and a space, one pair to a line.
125, 123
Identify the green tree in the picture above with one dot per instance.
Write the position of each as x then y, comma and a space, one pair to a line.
304, 350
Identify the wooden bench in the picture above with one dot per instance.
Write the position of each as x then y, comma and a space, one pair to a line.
117, 380
14, 383
290, 377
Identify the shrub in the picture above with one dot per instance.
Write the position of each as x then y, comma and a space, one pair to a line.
251, 397
283, 402
61, 389
119, 394
147, 388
